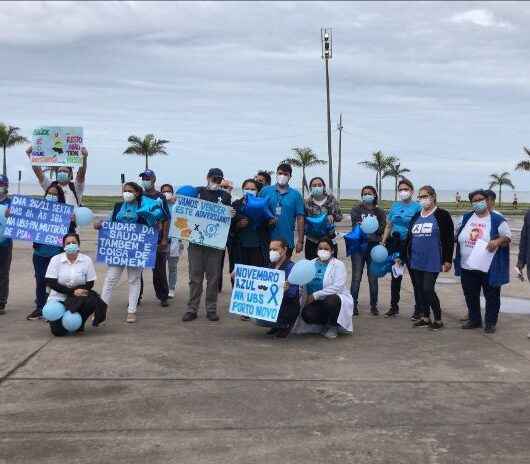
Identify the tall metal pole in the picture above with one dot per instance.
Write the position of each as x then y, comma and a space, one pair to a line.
326, 38
339, 128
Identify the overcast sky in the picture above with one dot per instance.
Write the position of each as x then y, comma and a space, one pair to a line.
443, 86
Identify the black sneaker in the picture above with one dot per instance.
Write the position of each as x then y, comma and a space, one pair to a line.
283, 332
436, 325
2, 308
374, 311
355, 311
212, 317
471, 325
164, 303
392, 312
415, 317
36, 314
189, 316
490, 329
421, 323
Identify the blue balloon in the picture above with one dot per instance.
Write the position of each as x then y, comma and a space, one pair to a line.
256, 209
151, 210
379, 254
71, 321
3, 218
380, 269
370, 224
83, 216
187, 191
356, 241
53, 310
302, 272
318, 226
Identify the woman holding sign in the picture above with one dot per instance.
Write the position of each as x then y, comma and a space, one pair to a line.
482, 260
175, 246
126, 211
322, 211
328, 303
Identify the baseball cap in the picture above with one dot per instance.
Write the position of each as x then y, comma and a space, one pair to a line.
478, 192
4, 181
147, 174
215, 172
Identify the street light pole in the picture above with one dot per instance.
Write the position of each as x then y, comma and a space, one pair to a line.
327, 53
339, 128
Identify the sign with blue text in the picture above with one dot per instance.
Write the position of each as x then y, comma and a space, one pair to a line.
38, 220
257, 292
57, 146
125, 244
200, 222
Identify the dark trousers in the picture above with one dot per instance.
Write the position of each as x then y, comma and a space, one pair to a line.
358, 261
6, 254
40, 265
160, 276
311, 249
395, 292
85, 306
427, 297
325, 311
289, 311
472, 283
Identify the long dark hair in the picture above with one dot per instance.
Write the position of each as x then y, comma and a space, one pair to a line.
60, 191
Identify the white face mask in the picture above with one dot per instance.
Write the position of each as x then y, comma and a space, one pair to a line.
405, 194
128, 196
324, 255
249, 192
426, 203
147, 184
274, 256
282, 179
168, 195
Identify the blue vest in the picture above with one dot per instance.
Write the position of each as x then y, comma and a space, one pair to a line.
499, 273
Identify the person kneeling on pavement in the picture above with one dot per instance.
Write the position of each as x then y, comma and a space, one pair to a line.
327, 303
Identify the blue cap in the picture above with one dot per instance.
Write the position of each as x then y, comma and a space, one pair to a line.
4, 181
147, 174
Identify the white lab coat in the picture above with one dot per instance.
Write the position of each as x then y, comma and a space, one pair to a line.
334, 283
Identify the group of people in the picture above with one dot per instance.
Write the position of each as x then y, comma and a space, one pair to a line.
419, 234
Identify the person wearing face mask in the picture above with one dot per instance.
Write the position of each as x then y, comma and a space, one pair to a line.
43, 254
73, 189
429, 251
71, 277
327, 303
6, 248
160, 281
287, 205
206, 261
263, 178
491, 228
367, 207
394, 237
321, 202
126, 212
175, 246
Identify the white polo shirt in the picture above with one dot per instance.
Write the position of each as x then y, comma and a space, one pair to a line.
69, 196
70, 274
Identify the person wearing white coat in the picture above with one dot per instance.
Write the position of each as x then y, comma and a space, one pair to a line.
327, 304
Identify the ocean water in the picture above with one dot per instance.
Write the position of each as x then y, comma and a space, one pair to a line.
443, 195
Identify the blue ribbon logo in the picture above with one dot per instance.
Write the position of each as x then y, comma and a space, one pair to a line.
274, 292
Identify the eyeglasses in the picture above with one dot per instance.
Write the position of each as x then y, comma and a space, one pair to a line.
423, 197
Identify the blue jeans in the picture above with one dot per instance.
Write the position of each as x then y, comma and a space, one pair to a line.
40, 264
358, 260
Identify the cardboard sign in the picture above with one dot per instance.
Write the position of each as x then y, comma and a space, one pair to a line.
124, 244
200, 222
57, 146
38, 220
258, 292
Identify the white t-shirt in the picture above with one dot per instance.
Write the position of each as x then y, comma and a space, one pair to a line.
70, 274
69, 196
477, 229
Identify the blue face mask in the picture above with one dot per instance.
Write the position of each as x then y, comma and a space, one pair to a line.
479, 206
63, 176
368, 199
250, 192
317, 191
71, 248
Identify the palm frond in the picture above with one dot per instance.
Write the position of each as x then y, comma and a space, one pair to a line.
523, 166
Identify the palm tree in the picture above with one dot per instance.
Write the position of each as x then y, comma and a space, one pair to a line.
304, 158
147, 147
379, 163
9, 137
525, 164
396, 171
500, 180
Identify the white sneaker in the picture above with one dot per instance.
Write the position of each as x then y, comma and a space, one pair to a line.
171, 294
131, 318
331, 333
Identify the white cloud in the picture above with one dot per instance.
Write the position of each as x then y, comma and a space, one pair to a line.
484, 18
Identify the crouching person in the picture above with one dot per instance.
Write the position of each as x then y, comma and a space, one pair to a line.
71, 276
327, 303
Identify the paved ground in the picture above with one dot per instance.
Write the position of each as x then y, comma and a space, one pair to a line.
163, 391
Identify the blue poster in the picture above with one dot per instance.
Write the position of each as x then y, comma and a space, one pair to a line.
38, 220
257, 292
123, 244
200, 222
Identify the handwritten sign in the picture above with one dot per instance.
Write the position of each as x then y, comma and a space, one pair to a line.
38, 220
200, 222
124, 244
57, 146
257, 293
